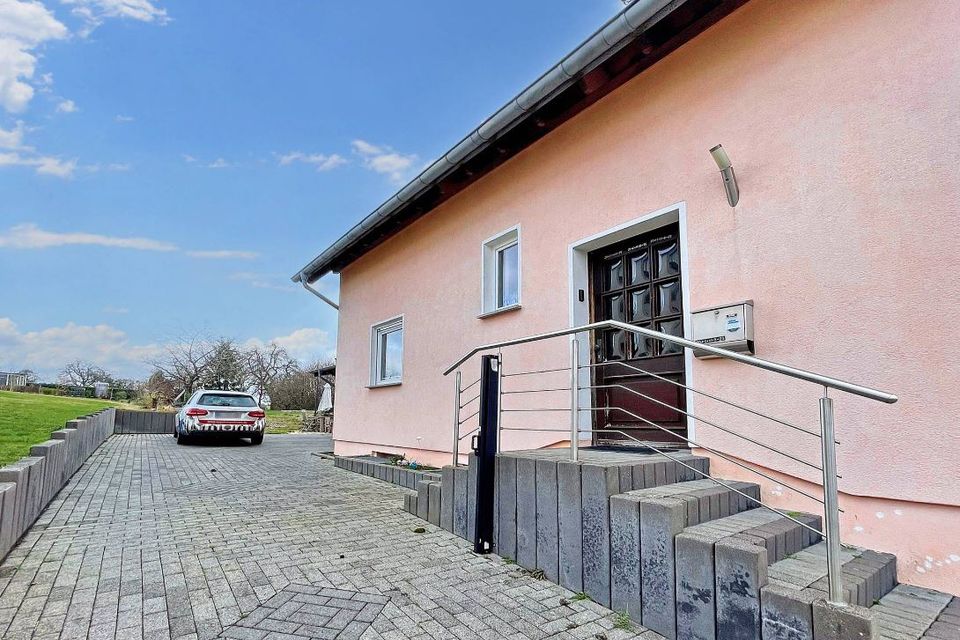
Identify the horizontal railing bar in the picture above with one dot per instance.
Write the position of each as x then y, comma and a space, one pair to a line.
506, 393
534, 410
682, 463
532, 373
471, 416
713, 451
469, 433
704, 393
472, 384
474, 398
793, 372
704, 421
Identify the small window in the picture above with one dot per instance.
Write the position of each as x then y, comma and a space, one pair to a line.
501, 272
386, 353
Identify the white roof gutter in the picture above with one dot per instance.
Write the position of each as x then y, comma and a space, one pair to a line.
623, 27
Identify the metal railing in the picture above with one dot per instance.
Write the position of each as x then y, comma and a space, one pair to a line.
828, 464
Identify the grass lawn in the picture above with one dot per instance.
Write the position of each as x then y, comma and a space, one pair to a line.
283, 421
27, 419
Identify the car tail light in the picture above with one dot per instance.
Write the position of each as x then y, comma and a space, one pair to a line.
196, 412
257, 413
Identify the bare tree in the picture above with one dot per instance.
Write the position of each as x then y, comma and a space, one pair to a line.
267, 364
225, 367
84, 374
185, 362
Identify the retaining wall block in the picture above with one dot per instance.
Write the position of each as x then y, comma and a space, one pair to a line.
597, 485
741, 569
696, 584
625, 554
460, 502
472, 498
507, 491
54, 453
8, 517
527, 513
851, 622
446, 499
433, 505
423, 500
570, 525
661, 519
548, 540
495, 543
786, 614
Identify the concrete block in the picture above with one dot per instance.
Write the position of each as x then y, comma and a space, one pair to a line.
625, 555
626, 478
741, 569
597, 485
8, 523
507, 492
423, 500
695, 587
548, 542
433, 506
472, 498
527, 513
661, 520
446, 499
786, 614
495, 544
54, 454
851, 622
460, 502
570, 525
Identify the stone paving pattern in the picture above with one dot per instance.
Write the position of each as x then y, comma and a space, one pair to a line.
150, 540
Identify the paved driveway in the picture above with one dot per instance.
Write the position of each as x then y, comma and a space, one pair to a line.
155, 540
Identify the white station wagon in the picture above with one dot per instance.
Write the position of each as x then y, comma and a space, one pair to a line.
211, 411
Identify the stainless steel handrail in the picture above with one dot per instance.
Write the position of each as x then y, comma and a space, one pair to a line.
793, 372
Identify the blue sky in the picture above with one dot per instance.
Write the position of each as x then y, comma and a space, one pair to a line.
166, 165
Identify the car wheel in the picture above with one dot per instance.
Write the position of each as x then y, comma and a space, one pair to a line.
183, 438
256, 438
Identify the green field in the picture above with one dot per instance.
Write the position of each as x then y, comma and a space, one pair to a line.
283, 421
27, 419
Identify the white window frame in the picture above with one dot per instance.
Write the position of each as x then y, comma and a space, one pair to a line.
490, 271
377, 331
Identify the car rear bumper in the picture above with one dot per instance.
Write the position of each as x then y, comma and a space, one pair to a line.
217, 427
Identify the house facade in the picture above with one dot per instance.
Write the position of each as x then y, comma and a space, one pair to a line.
598, 199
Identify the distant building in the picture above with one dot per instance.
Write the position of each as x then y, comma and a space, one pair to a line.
11, 380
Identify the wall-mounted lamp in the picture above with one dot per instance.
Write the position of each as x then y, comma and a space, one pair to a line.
729, 177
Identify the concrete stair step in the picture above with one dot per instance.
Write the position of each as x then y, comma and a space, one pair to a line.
721, 567
793, 603
914, 613
643, 526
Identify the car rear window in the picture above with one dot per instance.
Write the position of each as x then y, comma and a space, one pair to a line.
225, 400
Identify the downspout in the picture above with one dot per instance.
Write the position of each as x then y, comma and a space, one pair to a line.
306, 286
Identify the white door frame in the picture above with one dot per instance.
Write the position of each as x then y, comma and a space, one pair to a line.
579, 279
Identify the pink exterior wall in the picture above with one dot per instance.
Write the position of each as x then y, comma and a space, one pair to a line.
842, 121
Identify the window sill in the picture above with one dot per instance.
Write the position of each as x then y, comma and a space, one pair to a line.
512, 307
392, 383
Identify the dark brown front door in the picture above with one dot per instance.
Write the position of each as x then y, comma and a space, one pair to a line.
638, 282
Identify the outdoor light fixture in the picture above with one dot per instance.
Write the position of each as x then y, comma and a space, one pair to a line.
729, 177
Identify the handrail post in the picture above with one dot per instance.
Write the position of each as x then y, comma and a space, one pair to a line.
456, 422
831, 505
574, 400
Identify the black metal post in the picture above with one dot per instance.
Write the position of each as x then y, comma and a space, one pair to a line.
486, 450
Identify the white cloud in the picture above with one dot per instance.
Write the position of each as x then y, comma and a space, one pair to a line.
44, 165
219, 163
94, 12
12, 138
384, 160
224, 254
189, 159
321, 161
67, 106
24, 26
275, 282
122, 118
48, 350
30, 236
306, 345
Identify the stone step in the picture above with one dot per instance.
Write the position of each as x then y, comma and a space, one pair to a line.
643, 526
793, 602
718, 583
915, 613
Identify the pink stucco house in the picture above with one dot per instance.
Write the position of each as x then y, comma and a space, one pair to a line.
593, 196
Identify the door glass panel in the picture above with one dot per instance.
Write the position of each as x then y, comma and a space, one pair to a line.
642, 346
613, 345
508, 281
668, 295
640, 268
640, 305
614, 274
673, 328
615, 310
668, 260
